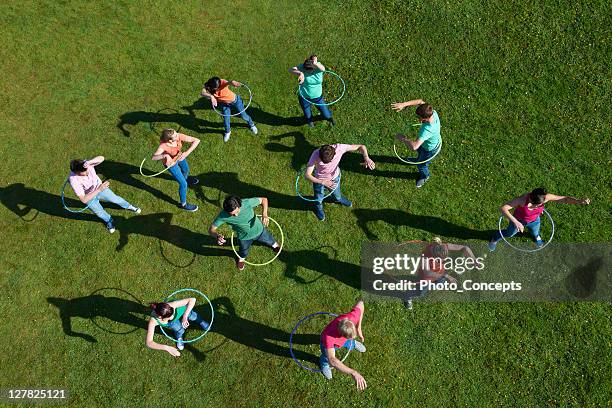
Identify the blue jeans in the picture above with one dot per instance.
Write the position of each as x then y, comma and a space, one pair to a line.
324, 361
108, 196
177, 326
305, 104
244, 245
319, 193
533, 227
424, 155
226, 109
180, 172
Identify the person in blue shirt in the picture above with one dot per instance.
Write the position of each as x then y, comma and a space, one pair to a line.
428, 141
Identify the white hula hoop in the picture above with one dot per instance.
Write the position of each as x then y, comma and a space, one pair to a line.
245, 108
552, 234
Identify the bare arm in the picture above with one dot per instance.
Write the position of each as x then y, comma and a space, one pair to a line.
94, 162
368, 163
160, 154
412, 144
361, 306
505, 209
219, 237
309, 175
295, 71
156, 346
264, 211
466, 249
398, 106
567, 199
340, 366
194, 143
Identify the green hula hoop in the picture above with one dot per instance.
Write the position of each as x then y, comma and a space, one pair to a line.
212, 315
64, 202
437, 148
156, 174
275, 256
329, 103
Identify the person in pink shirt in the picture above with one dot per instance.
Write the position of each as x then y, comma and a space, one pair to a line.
91, 190
527, 211
323, 171
341, 332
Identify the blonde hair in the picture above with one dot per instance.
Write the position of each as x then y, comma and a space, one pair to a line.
438, 248
347, 329
167, 135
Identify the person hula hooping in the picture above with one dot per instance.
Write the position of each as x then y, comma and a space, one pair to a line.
169, 151
217, 90
527, 211
323, 172
432, 269
428, 142
176, 316
310, 91
342, 332
239, 214
91, 190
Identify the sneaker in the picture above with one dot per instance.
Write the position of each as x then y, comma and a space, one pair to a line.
189, 207
346, 203
408, 304
192, 181
326, 371
311, 125
110, 227
240, 264
360, 347
204, 325
320, 214
254, 129
226, 136
332, 122
492, 246
276, 249
539, 242
420, 182
179, 343
137, 210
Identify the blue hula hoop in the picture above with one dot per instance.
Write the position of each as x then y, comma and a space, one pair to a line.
297, 189
212, 315
329, 103
291, 341
64, 203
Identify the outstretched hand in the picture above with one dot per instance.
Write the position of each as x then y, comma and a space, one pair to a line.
398, 106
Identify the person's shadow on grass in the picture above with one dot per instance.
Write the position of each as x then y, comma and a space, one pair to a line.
228, 183
431, 224
167, 115
22, 200
351, 162
119, 310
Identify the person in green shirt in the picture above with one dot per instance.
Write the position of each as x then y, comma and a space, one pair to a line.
310, 79
176, 316
239, 214
429, 139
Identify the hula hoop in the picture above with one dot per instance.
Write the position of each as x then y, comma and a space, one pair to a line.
329, 103
275, 256
64, 203
212, 315
245, 108
552, 234
297, 189
316, 370
156, 174
438, 148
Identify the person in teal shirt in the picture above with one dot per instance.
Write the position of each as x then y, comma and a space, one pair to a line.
429, 139
310, 79
239, 214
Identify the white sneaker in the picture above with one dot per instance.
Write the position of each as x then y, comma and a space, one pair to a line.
227, 136
327, 372
137, 210
360, 347
254, 129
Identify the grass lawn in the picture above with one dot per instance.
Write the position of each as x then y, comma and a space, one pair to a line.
522, 90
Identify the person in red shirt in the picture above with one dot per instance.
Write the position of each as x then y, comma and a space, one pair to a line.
341, 332
217, 90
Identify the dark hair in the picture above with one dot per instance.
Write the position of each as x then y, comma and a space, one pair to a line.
77, 166
327, 153
538, 195
213, 84
424, 111
308, 63
231, 203
162, 309
166, 135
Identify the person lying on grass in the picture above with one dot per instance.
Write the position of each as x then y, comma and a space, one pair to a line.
169, 151
323, 171
342, 332
310, 80
527, 211
176, 316
239, 214
428, 140
91, 190
217, 90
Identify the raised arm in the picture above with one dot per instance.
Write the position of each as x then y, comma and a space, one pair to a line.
360, 305
94, 162
567, 199
295, 71
156, 346
398, 106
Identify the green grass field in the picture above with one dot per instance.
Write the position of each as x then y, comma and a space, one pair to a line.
523, 92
